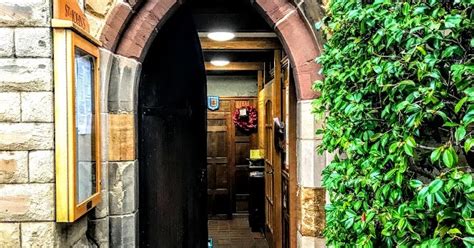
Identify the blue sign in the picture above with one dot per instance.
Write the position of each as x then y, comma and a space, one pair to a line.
213, 102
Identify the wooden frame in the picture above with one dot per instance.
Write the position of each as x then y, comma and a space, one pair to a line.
67, 38
236, 66
241, 44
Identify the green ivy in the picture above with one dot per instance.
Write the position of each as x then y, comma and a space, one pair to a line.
398, 105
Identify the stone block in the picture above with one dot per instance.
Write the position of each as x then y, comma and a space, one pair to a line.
37, 107
310, 163
84, 242
102, 209
99, 7
123, 187
123, 230
38, 234
26, 74
311, 214
104, 125
98, 230
41, 166
95, 24
6, 42
106, 58
113, 27
10, 234
10, 107
13, 167
123, 83
24, 13
121, 137
307, 123
70, 233
33, 42
27, 202
310, 242
26, 136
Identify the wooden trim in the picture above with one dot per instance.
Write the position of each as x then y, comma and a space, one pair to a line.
241, 44
276, 96
238, 97
236, 66
293, 187
61, 124
231, 162
260, 81
65, 43
66, 24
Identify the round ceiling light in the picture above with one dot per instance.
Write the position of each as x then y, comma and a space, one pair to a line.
220, 62
221, 36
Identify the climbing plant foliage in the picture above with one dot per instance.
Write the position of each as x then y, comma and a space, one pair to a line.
398, 105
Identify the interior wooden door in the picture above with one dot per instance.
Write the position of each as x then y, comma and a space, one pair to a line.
172, 139
243, 142
269, 174
288, 179
218, 162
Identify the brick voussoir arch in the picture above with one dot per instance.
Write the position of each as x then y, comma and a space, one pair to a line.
133, 41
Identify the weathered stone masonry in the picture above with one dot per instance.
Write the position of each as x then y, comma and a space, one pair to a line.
27, 195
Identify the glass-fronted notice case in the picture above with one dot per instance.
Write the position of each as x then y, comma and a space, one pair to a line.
77, 122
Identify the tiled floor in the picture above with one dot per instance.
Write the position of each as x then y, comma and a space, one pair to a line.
235, 233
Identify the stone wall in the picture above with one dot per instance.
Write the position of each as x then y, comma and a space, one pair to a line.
311, 195
27, 189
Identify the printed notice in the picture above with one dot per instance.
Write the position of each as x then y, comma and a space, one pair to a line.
84, 72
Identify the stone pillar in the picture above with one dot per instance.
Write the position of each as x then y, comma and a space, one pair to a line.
115, 222
311, 195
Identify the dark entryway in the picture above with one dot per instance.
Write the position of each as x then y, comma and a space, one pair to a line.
172, 138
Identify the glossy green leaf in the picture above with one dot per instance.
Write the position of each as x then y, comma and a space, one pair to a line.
435, 186
460, 133
435, 154
449, 157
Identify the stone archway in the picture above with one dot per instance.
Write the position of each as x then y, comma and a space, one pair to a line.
130, 29
128, 32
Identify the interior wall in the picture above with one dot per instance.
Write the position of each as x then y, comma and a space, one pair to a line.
232, 85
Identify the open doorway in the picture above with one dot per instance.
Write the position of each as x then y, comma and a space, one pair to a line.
193, 91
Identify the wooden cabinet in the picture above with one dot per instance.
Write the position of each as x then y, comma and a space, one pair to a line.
227, 151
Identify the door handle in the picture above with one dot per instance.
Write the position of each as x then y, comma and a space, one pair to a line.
270, 172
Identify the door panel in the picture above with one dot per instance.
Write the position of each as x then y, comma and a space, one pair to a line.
228, 190
269, 172
172, 139
243, 142
218, 162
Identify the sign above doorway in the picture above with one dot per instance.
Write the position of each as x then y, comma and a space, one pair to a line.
70, 10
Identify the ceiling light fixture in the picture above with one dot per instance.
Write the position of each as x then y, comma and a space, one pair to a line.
220, 62
221, 36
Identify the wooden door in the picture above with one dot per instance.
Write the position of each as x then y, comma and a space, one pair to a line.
172, 139
228, 149
289, 167
272, 108
218, 161
243, 143
269, 174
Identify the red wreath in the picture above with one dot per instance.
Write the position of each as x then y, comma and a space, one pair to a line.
247, 123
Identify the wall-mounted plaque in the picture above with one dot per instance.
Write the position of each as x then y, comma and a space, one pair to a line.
77, 121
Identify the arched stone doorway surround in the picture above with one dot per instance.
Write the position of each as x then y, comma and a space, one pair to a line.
126, 36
